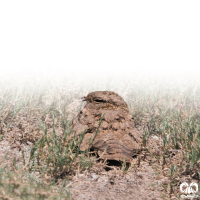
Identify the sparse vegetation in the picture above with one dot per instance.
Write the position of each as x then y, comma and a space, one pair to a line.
38, 116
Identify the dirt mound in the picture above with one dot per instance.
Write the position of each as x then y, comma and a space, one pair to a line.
117, 137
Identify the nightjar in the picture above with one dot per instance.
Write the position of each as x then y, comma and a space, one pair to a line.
117, 139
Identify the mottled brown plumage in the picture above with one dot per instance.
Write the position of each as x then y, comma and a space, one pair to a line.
117, 139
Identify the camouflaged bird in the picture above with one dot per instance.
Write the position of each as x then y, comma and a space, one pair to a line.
117, 139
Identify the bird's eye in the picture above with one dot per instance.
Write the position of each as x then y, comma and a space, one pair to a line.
98, 100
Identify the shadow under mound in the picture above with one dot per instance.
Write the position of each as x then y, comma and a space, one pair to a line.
110, 164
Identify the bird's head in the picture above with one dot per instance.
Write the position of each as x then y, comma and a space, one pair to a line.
105, 99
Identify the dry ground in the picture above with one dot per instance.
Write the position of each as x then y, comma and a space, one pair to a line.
167, 159
145, 179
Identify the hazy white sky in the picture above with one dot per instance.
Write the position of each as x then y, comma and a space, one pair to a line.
80, 63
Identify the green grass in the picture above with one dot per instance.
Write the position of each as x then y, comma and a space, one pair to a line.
172, 112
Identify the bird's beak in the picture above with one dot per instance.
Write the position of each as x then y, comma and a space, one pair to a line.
84, 98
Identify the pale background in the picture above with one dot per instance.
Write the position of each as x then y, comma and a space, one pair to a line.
100, 64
